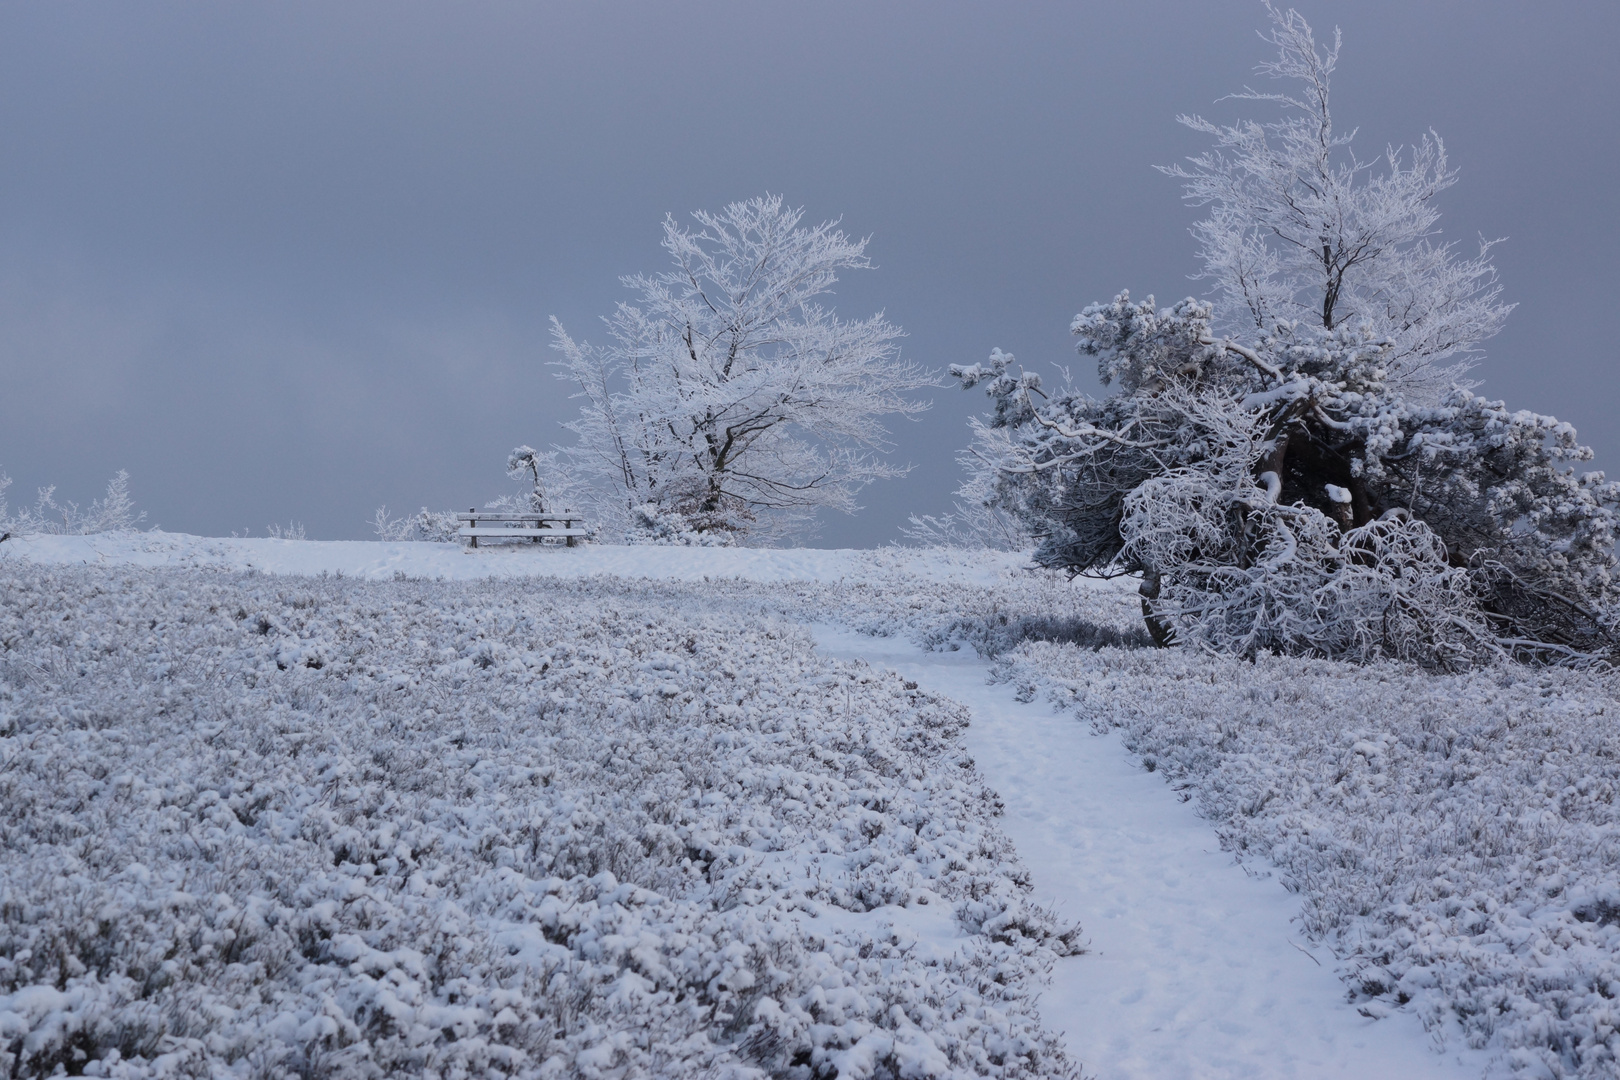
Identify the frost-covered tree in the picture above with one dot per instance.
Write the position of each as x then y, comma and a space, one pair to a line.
1278, 465
548, 486
727, 394
1282, 496
1301, 229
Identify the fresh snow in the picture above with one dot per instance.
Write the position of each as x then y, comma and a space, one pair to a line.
380, 561
1357, 905
1193, 968
318, 827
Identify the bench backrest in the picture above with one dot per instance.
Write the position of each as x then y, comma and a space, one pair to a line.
475, 516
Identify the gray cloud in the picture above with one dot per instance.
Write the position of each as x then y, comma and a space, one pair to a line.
293, 261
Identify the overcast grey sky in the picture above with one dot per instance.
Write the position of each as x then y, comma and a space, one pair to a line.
295, 260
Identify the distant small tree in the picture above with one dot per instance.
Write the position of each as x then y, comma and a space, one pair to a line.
1293, 467
538, 472
727, 394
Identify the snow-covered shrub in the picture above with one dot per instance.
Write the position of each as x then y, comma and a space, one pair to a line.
434, 526
1290, 500
651, 524
1294, 467
1450, 836
321, 827
996, 634
293, 530
113, 512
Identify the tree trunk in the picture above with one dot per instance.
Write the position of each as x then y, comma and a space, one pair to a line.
1159, 630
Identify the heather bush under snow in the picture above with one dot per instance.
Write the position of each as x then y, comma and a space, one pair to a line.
433, 526
1449, 835
274, 828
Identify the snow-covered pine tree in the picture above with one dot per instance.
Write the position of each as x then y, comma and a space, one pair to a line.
727, 394
1294, 467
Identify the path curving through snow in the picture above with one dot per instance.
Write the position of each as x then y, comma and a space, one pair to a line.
1195, 970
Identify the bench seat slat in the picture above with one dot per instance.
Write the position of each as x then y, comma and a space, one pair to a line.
541, 533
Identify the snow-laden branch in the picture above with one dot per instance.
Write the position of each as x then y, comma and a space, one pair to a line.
1228, 345
1089, 431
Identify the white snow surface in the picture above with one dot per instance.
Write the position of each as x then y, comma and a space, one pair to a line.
1420, 863
379, 561
1192, 967
318, 827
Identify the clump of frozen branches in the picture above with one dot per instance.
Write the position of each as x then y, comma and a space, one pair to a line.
1282, 466
976, 520
727, 393
434, 526
651, 524
113, 512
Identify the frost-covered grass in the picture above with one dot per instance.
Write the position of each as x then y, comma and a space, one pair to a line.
1453, 838
1450, 837
321, 827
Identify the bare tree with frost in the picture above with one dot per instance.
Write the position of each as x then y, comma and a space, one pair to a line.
1278, 465
1301, 229
728, 400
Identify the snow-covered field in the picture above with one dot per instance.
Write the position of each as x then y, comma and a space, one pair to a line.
280, 807
376, 561
324, 827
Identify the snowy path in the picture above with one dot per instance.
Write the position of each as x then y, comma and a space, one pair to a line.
1195, 969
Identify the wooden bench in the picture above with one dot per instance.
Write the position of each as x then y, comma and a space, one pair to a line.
537, 527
